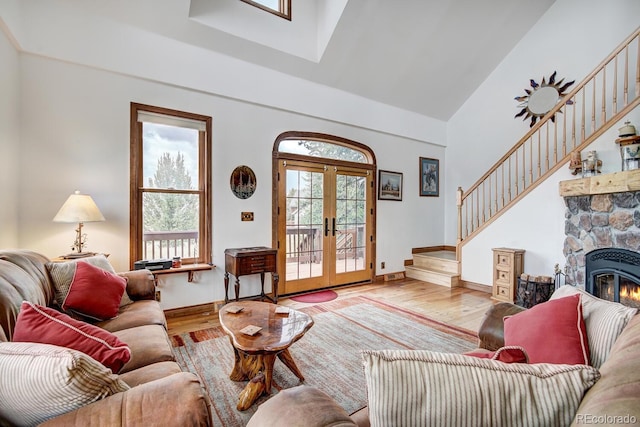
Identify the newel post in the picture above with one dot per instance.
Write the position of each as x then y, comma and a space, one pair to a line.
459, 193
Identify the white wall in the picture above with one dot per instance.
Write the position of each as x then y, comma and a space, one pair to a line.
572, 38
75, 135
74, 32
9, 140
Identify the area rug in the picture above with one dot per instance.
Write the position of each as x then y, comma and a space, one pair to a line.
316, 297
328, 355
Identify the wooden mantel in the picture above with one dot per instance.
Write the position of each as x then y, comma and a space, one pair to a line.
617, 182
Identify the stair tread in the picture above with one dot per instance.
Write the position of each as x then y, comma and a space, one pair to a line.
432, 270
438, 277
440, 255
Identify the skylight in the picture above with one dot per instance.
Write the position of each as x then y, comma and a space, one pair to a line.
306, 37
281, 8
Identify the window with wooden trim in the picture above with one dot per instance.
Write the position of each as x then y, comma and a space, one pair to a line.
282, 8
170, 185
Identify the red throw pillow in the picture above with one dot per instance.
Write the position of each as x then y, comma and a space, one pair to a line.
47, 326
551, 332
94, 292
503, 354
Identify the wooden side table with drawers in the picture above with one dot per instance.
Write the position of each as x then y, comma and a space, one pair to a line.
245, 261
508, 265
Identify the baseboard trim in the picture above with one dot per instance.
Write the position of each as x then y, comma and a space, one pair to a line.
476, 286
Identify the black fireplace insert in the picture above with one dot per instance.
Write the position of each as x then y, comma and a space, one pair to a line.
613, 274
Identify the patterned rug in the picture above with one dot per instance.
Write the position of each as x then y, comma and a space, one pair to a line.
328, 355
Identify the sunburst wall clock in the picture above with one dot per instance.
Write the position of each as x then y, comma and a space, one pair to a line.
541, 98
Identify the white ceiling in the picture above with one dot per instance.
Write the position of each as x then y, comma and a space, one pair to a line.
424, 56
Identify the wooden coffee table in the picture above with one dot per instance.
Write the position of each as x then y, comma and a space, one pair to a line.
255, 355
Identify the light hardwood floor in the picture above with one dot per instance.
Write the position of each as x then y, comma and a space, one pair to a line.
457, 306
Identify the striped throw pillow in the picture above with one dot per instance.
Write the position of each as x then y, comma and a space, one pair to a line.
42, 381
425, 388
604, 321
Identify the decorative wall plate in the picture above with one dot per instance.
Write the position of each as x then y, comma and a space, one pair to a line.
243, 182
541, 98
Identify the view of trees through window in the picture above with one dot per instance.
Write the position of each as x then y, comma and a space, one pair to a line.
169, 211
327, 229
322, 149
307, 205
170, 185
170, 206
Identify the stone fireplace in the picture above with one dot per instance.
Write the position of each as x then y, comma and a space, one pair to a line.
602, 212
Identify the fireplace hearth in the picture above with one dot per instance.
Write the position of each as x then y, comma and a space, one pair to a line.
613, 274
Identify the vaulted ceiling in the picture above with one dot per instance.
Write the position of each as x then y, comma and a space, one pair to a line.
424, 56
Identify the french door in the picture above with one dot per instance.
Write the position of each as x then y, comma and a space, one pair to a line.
325, 224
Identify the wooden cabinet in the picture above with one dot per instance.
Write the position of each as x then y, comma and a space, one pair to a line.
244, 261
508, 265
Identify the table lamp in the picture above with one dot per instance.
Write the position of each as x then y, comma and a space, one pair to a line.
79, 208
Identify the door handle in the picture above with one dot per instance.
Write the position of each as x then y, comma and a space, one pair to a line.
333, 232
326, 227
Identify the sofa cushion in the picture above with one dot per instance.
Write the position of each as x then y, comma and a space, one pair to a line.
94, 292
41, 381
551, 332
149, 344
143, 312
177, 400
300, 406
149, 373
604, 321
420, 387
47, 326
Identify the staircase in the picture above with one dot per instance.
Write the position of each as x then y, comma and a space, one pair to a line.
438, 267
602, 99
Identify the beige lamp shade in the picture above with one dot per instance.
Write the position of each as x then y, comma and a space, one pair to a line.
79, 208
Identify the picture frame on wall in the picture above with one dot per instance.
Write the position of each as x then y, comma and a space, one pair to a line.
243, 182
389, 185
429, 177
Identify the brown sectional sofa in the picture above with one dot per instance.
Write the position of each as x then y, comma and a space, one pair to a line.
614, 399
160, 393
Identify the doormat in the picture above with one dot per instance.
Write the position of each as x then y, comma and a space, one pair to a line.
314, 297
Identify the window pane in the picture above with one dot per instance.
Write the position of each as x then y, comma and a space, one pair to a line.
271, 4
170, 225
304, 204
277, 7
170, 194
321, 149
170, 157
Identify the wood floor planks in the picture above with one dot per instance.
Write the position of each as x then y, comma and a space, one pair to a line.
456, 306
